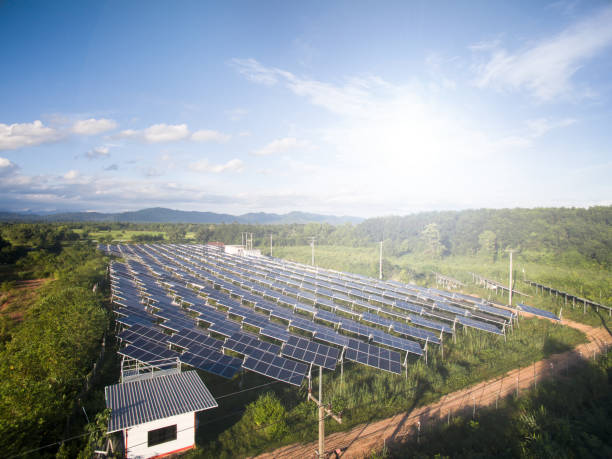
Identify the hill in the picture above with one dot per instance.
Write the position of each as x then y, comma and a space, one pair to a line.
164, 215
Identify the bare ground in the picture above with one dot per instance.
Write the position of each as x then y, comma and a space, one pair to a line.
361, 440
14, 302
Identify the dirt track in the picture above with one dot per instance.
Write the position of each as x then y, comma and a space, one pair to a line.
361, 440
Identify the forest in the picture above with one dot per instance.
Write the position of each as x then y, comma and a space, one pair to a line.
45, 366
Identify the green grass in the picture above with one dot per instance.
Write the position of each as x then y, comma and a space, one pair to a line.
124, 235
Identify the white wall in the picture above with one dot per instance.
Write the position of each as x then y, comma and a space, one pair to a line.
234, 249
137, 437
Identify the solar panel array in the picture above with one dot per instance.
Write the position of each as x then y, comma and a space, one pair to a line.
198, 300
538, 312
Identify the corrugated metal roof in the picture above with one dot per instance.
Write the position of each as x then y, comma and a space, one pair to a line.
140, 401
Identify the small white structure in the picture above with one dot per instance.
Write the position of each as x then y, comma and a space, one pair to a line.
157, 413
242, 251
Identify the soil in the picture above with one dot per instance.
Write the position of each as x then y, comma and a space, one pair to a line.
22, 294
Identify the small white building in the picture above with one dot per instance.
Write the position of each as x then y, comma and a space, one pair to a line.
157, 414
242, 251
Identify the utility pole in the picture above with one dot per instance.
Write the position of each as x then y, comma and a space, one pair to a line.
323, 410
380, 262
510, 286
321, 416
312, 242
270, 245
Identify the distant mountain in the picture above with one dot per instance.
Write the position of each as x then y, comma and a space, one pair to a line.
163, 215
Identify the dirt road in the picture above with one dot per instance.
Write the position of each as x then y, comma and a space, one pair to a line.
361, 440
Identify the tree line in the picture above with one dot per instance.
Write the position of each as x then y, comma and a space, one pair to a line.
574, 235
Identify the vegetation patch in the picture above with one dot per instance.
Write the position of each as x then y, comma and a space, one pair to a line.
564, 417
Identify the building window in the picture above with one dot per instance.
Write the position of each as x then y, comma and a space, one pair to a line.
162, 435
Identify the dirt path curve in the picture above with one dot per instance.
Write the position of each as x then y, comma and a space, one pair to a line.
361, 440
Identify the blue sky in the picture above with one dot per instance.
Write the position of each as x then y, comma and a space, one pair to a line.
347, 108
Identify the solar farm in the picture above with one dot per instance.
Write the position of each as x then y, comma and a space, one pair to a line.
223, 314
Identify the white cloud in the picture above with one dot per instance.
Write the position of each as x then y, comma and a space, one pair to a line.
7, 166
547, 69
280, 146
157, 133
233, 165
19, 135
255, 72
236, 114
71, 174
205, 135
540, 126
98, 152
93, 126
485, 45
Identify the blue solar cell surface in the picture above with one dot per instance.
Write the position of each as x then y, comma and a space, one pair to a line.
308, 351
373, 356
538, 312
276, 367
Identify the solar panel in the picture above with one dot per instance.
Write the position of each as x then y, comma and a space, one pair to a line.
189, 338
395, 342
134, 319
408, 306
245, 344
147, 351
452, 309
495, 311
538, 312
275, 332
354, 327
225, 328
376, 319
215, 362
139, 330
416, 332
276, 367
256, 320
479, 325
311, 352
282, 313
332, 337
328, 316
304, 324
418, 320
304, 307
373, 356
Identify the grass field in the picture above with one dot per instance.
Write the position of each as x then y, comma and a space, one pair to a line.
123, 235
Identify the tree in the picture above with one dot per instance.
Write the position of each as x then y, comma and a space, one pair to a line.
432, 241
487, 241
268, 416
203, 234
